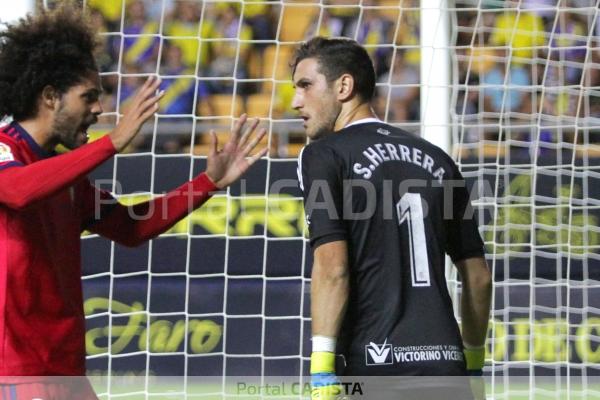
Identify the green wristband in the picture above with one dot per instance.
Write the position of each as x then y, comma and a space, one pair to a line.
475, 358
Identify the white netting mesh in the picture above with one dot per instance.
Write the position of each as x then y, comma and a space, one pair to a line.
225, 292
525, 124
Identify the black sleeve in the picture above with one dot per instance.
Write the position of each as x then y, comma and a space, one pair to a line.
320, 179
462, 236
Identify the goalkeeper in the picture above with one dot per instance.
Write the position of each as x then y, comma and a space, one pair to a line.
50, 87
383, 208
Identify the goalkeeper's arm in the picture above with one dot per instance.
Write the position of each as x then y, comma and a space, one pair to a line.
329, 297
475, 310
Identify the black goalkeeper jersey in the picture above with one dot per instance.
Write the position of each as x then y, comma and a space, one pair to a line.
401, 204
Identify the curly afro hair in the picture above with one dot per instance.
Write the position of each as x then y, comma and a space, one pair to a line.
52, 48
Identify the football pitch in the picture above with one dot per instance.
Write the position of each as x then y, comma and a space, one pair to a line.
521, 390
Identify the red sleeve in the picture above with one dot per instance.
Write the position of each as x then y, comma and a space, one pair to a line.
25, 184
131, 226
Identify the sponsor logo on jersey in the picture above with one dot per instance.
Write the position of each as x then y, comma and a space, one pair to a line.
387, 354
383, 131
379, 354
6, 153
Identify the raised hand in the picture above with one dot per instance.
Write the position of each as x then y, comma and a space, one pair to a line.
227, 165
143, 106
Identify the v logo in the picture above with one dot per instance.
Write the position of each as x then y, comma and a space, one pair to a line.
379, 354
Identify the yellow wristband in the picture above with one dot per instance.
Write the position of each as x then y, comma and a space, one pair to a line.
322, 362
475, 358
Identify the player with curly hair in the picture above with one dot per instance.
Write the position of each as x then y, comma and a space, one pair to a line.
50, 91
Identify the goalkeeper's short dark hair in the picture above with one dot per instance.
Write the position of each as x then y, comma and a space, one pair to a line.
339, 56
54, 47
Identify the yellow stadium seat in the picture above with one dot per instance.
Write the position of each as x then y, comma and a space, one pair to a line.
221, 105
259, 105
255, 65
277, 61
295, 21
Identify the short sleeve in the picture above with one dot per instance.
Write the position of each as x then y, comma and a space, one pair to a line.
320, 179
462, 236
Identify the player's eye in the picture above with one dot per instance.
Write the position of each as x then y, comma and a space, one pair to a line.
91, 97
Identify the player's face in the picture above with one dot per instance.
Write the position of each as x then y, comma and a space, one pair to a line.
314, 99
78, 109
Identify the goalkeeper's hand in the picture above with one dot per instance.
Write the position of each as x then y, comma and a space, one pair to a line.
475, 358
325, 385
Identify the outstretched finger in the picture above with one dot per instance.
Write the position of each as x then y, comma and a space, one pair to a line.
237, 128
257, 156
148, 82
149, 103
252, 144
151, 80
212, 150
148, 113
148, 88
249, 130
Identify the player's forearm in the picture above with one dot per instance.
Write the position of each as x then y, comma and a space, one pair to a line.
328, 307
475, 302
23, 186
132, 226
329, 297
475, 313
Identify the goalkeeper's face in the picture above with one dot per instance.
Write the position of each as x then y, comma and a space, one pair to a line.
315, 99
77, 109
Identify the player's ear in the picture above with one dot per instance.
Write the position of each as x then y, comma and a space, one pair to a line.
345, 87
50, 96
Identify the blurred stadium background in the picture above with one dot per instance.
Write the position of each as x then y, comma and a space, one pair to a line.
513, 93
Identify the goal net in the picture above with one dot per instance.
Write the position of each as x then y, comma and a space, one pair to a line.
225, 291
525, 128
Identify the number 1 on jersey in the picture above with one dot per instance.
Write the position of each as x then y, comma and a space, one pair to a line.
410, 210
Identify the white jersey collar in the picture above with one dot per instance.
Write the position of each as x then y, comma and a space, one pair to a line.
363, 121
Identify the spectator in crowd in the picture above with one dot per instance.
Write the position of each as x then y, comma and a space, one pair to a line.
546, 9
128, 84
407, 36
565, 64
259, 17
104, 56
229, 55
110, 10
493, 84
506, 88
399, 88
181, 92
521, 31
324, 24
139, 50
190, 29
370, 29
344, 11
